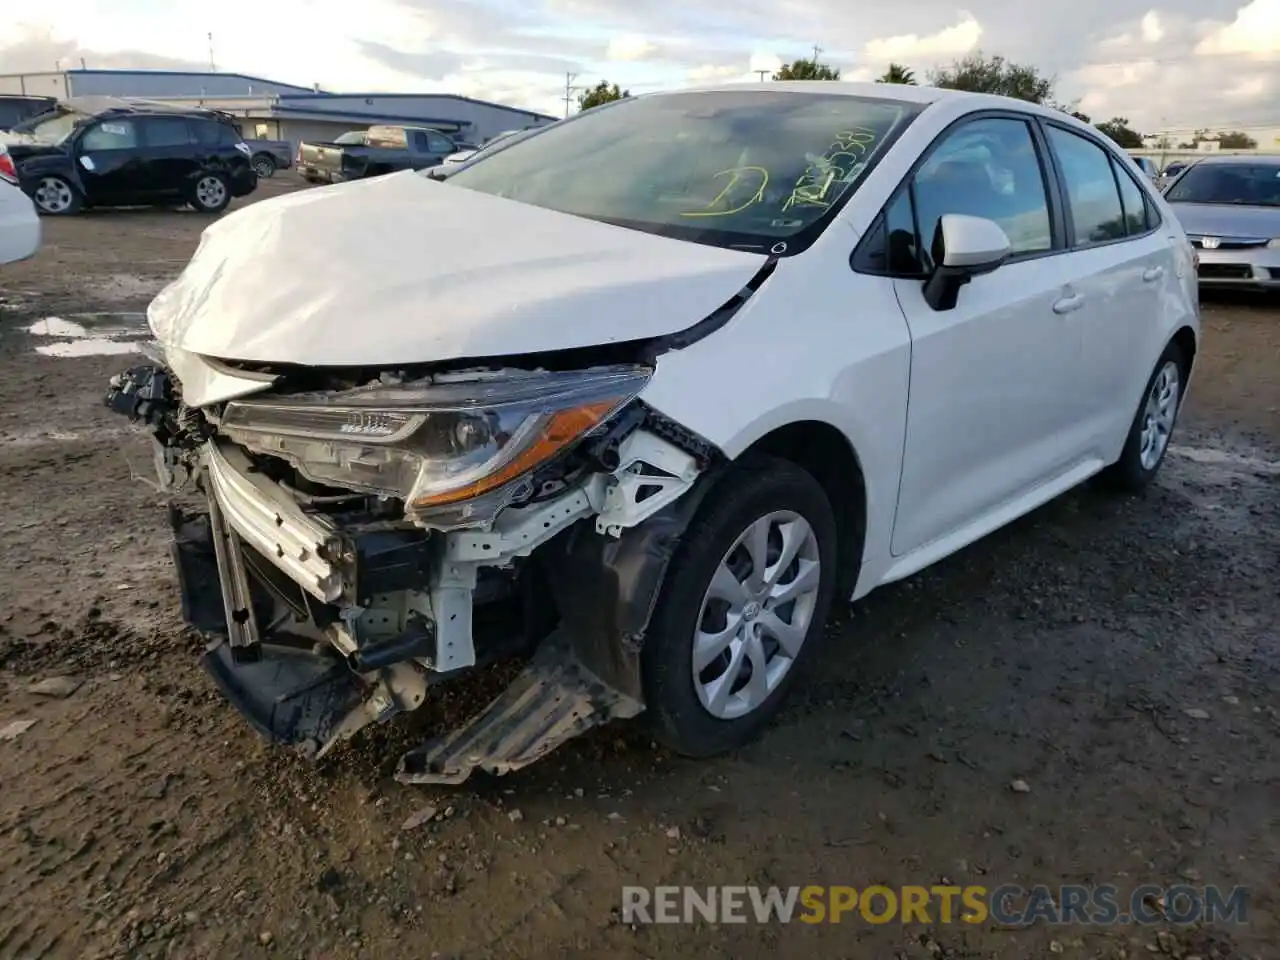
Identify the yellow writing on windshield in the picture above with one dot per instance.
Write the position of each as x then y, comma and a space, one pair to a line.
839, 164
736, 175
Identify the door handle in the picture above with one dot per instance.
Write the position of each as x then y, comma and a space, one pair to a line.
1069, 304
1152, 274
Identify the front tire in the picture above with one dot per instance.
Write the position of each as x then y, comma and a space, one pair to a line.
1152, 427
55, 196
745, 598
264, 165
211, 194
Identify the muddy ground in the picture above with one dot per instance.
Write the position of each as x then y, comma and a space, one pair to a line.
140, 817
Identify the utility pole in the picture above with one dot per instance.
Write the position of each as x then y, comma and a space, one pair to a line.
569, 89
816, 50
762, 73
212, 68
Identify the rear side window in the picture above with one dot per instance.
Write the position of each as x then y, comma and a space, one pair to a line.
110, 135
1092, 194
166, 132
210, 133
1133, 200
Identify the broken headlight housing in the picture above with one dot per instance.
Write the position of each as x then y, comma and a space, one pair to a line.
452, 446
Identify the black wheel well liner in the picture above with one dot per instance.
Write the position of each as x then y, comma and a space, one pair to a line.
827, 455
1185, 338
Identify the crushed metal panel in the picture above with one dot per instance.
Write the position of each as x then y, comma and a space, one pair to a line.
554, 699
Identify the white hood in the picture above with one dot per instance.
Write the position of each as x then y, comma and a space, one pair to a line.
404, 269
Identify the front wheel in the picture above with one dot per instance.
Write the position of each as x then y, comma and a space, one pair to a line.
211, 193
1152, 428
264, 165
55, 197
746, 595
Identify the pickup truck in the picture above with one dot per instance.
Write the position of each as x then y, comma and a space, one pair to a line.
270, 156
383, 149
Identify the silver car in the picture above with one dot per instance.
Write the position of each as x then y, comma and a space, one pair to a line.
1230, 209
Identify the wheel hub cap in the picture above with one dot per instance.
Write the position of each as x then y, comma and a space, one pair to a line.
755, 614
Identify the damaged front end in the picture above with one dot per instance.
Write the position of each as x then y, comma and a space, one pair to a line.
357, 540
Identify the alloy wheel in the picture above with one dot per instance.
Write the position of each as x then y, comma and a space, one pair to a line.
211, 192
54, 195
755, 614
1158, 415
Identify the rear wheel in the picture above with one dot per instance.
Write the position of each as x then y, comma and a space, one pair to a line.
211, 193
1152, 427
746, 594
54, 196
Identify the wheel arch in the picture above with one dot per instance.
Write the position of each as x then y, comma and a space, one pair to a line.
825, 453
1185, 339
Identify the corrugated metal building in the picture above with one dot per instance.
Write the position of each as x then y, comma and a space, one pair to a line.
282, 111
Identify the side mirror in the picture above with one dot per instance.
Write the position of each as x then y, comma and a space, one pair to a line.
963, 247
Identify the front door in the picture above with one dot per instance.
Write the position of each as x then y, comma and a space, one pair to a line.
110, 161
993, 380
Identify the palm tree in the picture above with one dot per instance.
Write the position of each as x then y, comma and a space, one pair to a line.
897, 73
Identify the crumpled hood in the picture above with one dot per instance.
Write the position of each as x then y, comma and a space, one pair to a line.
404, 269
1228, 220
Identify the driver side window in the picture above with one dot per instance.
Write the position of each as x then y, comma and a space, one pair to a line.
110, 135
988, 168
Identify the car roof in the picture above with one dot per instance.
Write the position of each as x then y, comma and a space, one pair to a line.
1252, 159
93, 105
905, 93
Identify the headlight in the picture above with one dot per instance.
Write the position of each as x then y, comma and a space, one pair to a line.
434, 443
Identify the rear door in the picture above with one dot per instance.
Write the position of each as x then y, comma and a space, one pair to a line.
169, 152
109, 156
1125, 265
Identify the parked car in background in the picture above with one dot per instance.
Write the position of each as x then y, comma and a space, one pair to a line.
311, 152
86, 155
268, 156
1147, 166
645, 394
19, 224
1230, 208
457, 161
383, 149
468, 151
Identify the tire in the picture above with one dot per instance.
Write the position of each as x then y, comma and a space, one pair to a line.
689, 712
1153, 424
211, 193
264, 165
55, 196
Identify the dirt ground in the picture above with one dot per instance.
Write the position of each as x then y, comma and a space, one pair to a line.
1120, 656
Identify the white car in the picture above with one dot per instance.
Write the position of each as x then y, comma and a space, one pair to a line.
462, 156
660, 385
19, 223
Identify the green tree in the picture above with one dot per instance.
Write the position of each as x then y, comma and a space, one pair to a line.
807, 70
977, 73
603, 92
1236, 140
1118, 129
897, 73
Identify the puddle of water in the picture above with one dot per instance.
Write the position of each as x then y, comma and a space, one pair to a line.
89, 347
1211, 456
91, 334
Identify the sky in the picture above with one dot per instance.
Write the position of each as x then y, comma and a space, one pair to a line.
1172, 67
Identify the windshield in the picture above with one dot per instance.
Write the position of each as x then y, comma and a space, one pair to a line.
55, 129
754, 169
1252, 184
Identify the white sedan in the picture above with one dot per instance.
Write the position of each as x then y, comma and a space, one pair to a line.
662, 384
19, 223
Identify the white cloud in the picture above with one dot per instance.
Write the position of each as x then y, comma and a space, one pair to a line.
629, 47
948, 42
711, 73
1152, 31
1255, 29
